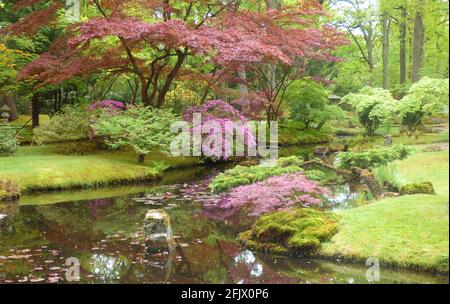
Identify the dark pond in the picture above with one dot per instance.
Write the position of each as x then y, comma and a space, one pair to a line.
103, 229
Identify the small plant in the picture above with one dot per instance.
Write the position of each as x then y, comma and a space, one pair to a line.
8, 142
387, 176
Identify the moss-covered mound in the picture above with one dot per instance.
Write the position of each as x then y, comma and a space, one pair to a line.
8, 190
296, 231
417, 188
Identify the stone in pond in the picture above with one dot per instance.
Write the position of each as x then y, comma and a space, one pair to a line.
158, 232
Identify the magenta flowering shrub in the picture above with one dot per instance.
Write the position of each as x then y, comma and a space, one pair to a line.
275, 193
107, 104
223, 114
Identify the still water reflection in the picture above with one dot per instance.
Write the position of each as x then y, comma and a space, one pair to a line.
103, 230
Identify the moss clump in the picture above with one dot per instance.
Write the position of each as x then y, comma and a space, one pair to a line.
296, 231
8, 190
417, 188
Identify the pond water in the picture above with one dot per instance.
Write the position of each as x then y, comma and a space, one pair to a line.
103, 229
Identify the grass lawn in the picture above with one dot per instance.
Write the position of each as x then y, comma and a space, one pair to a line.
36, 168
409, 231
426, 138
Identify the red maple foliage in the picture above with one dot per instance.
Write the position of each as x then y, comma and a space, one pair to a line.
153, 40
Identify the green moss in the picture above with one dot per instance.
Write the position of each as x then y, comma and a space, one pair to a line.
296, 231
8, 190
417, 188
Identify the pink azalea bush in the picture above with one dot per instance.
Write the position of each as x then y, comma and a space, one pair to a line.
275, 193
107, 104
222, 113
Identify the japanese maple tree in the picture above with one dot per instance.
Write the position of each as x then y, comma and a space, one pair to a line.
275, 193
153, 39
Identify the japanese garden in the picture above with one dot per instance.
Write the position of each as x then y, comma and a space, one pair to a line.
224, 141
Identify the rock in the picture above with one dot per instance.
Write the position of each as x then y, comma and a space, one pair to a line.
8, 190
158, 232
321, 151
2, 219
340, 145
417, 188
388, 140
433, 148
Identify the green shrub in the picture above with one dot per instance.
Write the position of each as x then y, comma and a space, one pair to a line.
296, 231
8, 142
374, 107
417, 188
294, 134
289, 161
373, 157
308, 103
241, 175
315, 175
138, 127
71, 124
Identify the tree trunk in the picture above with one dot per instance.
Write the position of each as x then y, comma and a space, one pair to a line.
169, 79
141, 158
144, 92
403, 46
418, 42
353, 174
11, 103
35, 109
386, 26
243, 89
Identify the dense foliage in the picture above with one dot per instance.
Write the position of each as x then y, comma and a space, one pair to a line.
219, 118
242, 175
138, 127
71, 124
275, 193
371, 158
308, 104
298, 231
373, 106
425, 98
8, 143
